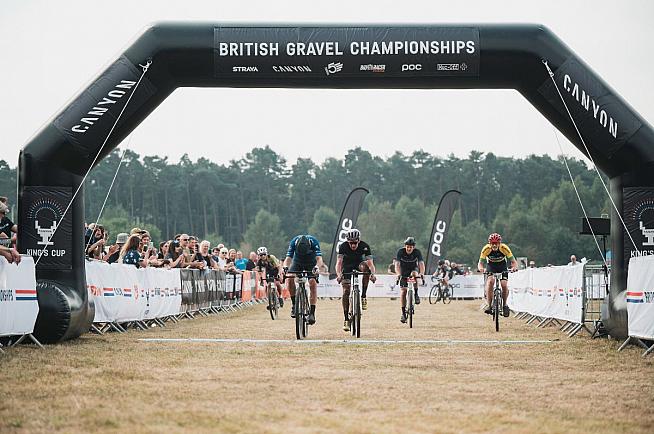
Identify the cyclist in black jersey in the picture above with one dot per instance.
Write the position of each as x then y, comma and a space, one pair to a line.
408, 263
354, 254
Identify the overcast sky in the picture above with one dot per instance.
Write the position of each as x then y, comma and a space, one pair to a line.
52, 49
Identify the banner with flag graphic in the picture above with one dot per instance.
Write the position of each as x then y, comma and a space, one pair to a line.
640, 297
19, 306
442, 222
348, 220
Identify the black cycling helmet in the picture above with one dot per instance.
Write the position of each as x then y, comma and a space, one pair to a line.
353, 235
441, 262
303, 245
410, 241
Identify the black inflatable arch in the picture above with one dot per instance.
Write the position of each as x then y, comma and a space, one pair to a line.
471, 56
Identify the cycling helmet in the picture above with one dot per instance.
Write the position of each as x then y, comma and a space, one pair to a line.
303, 245
262, 251
441, 262
353, 235
494, 238
410, 241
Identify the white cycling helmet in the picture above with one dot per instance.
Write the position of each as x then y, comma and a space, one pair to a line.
262, 251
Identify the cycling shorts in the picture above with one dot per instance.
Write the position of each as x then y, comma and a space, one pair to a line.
498, 267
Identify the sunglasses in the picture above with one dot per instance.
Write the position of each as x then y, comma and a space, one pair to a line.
183, 239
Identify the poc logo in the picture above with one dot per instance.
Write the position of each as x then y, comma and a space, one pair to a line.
346, 225
438, 237
412, 67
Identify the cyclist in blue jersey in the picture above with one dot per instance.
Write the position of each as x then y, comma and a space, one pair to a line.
304, 255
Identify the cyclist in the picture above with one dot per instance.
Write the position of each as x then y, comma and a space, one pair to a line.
354, 254
408, 263
496, 254
304, 255
271, 266
443, 271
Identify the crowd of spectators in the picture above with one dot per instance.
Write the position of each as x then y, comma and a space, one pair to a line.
8, 232
183, 251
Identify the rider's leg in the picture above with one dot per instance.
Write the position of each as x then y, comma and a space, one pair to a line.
363, 267
489, 294
346, 299
415, 286
279, 293
505, 295
291, 289
313, 297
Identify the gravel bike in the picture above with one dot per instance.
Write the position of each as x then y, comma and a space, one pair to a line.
440, 291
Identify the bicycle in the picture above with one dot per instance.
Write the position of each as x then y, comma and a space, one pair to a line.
497, 303
411, 298
272, 295
301, 308
355, 302
440, 291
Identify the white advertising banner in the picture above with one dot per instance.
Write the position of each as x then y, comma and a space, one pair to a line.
550, 292
386, 287
124, 293
640, 297
19, 306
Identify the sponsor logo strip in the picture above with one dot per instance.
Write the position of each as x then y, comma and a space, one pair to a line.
25, 294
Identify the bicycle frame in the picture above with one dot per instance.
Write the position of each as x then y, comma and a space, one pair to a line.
301, 302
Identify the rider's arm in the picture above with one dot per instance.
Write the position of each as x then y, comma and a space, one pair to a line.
339, 264
319, 262
371, 265
421, 267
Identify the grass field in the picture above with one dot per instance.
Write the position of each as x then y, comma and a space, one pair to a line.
119, 383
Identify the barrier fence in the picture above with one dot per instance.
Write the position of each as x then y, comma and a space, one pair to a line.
640, 302
125, 296
19, 306
550, 295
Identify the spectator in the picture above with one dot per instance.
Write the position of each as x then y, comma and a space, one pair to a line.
231, 259
192, 245
175, 256
456, 270
163, 249
532, 264
204, 258
391, 268
94, 241
129, 254
186, 252
573, 260
240, 262
10, 254
6, 226
222, 259
252, 261
215, 254
114, 251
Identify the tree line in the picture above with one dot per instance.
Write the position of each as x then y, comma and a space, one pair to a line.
262, 199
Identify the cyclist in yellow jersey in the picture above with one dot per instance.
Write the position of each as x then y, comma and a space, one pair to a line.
496, 254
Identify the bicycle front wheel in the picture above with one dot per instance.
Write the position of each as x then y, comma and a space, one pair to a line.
274, 312
410, 311
447, 296
356, 316
433, 295
299, 315
496, 311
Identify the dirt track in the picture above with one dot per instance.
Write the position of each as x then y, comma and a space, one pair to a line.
118, 383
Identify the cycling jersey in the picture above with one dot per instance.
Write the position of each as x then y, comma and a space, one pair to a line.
271, 265
408, 262
307, 261
352, 258
494, 256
